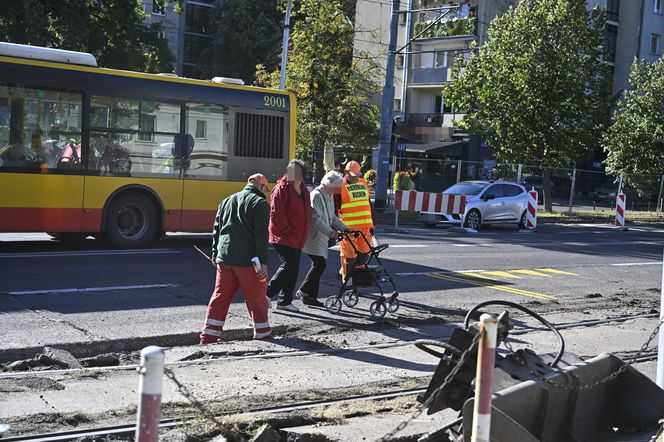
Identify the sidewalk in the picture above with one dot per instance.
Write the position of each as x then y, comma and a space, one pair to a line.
246, 375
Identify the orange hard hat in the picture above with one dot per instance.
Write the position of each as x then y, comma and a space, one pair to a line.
354, 168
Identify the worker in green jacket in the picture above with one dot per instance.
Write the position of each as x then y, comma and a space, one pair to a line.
239, 235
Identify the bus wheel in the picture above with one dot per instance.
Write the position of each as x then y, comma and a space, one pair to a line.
131, 221
68, 236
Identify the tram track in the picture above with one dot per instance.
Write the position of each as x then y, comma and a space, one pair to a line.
521, 330
129, 428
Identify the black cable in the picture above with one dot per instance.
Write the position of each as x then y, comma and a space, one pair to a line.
422, 345
550, 326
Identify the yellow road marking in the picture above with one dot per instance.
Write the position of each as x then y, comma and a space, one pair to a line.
503, 274
558, 272
476, 275
531, 272
511, 290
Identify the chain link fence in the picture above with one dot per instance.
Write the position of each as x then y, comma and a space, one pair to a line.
573, 190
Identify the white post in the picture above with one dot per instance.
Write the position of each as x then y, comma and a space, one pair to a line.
486, 359
396, 218
459, 164
659, 198
284, 47
151, 374
660, 344
572, 190
519, 172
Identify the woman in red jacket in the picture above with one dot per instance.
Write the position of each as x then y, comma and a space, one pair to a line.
290, 217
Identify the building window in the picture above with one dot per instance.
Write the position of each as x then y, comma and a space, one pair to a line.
194, 45
657, 6
399, 61
611, 42
147, 128
198, 18
397, 104
654, 44
201, 126
158, 10
612, 10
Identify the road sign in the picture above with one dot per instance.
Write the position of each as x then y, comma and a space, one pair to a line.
401, 147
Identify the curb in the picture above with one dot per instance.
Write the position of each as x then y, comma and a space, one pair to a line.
90, 349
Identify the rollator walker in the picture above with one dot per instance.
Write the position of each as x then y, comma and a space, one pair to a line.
362, 272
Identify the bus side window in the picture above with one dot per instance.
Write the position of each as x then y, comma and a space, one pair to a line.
36, 126
207, 124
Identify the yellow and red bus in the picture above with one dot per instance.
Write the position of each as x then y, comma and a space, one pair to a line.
125, 155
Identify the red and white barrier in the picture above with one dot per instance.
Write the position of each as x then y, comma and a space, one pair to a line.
531, 212
413, 201
486, 359
151, 374
621, 201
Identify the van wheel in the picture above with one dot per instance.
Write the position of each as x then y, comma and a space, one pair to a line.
131, 221
68, 236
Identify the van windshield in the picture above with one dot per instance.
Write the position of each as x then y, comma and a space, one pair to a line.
466, 188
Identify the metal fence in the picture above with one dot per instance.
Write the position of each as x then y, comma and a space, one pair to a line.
572, 190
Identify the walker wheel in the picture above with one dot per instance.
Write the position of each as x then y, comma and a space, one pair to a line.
333, 304
350, 298
392, 305
378, 309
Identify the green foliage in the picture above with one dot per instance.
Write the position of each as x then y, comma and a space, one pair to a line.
401, 181
333, 88
246, 33
112, 30
446, 28
538, 90
635, 141
532, 90
370, 177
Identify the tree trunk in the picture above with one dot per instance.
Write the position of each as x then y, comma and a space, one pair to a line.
546, 189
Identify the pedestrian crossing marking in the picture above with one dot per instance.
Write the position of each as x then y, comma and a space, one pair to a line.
503, 274
558, 272
501, 288
531, 273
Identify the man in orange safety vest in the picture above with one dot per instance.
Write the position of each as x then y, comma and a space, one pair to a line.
355, 212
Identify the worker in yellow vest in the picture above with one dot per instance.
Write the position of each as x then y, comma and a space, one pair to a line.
355, 212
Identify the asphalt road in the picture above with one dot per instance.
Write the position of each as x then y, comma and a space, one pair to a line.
53, 293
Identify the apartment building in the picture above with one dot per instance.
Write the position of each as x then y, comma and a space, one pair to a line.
188, 33
439, 31
443, 30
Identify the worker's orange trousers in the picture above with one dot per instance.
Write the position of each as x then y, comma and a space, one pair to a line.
229, 280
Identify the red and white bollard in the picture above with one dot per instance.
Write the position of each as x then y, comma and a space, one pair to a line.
151, 373
486, 359
531, 212
621, 201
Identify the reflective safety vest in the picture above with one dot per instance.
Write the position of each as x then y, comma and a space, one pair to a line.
355, 206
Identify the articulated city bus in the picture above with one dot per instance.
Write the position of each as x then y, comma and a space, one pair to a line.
124, 155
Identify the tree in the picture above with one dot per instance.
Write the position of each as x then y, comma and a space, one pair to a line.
332, 87
635, 141
112, 30
538, 90
246, 34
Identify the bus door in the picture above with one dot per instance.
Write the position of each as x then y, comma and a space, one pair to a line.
40, 160
205, 169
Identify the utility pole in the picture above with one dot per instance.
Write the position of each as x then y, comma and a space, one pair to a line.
284, 46
387, 107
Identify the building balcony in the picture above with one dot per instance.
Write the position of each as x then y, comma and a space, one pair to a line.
453, 27
429, 76
425, 127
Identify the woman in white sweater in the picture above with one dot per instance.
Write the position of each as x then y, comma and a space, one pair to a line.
324, 226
